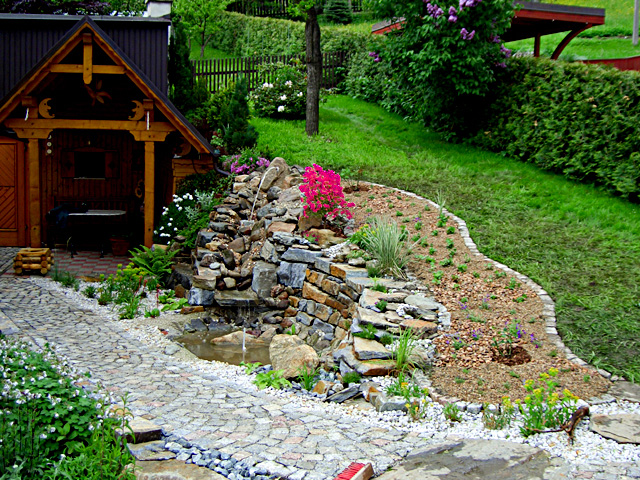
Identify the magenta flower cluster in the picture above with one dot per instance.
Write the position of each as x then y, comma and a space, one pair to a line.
375, 56
467, 35
322, 194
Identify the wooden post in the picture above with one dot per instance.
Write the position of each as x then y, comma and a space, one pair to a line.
536, 46
149, 191
87, 58
33, 191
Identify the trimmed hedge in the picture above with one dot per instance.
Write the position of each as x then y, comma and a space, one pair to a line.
576, 119
242, 36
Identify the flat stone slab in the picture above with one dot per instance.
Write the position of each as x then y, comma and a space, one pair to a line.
371, 297
376, 319
366, 349
174, 470
623, 428
149, 451
143, 431
236, 298
479, 459
626, 391
420, 301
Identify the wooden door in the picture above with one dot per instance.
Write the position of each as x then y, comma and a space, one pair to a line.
12, 189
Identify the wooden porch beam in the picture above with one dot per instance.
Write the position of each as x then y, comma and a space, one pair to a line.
87, 58
52, 123
565, 41
149, 191
33, 191
102, 69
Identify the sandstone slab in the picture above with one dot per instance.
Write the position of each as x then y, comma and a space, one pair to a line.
375, 368
290, 354
369, 317
419, 327
623, 428
174, 470
422, 302
626, 391
236, 298
366, 349
479, 459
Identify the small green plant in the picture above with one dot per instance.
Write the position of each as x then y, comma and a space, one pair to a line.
175, 305
437, 277
90, 291
373, 271
155, 312
451, 412
272, 378
292, 330
513, 374
250, 368
464, 300
416, 408
451, 230
386, 339
544, 408
476, 275
501, 274
405, 387
460, 380
499, 418
415, 238
381, 305
432, 251
462, 268
377, 286
446, 262
105, 298
351, 377
369, 210
168, 296
455, 278
307, 377
586, 378
130, 309
418, 225
513, 284
475, 318
404, 348
153, 262
449, 243
368, 332
508, 337
434, 233
68, 279
458, 344
399, 213
521, 298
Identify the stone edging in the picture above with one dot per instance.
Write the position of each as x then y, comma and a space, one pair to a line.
549, 309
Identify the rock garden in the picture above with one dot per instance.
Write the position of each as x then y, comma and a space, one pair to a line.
357, 294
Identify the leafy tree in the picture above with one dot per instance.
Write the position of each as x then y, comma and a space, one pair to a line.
446, 57
127, 7
70, 7
309, 10
179, 69
338, 11
200, 16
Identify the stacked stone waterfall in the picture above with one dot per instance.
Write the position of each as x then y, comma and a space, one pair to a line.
265, 267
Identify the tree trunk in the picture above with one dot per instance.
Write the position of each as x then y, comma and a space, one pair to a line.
314, 71
202, 38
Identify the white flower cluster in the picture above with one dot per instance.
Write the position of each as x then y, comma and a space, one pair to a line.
283, 97
299, 94
289, 83
267, 85
281, 108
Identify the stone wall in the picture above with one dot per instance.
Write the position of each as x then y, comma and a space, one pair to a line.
254, 259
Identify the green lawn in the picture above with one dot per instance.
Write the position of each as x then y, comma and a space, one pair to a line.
581, 48
618, 15
582, 245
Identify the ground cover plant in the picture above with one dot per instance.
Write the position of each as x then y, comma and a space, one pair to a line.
579, 243
50, 426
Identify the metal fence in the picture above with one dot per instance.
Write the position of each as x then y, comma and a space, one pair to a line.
219, 72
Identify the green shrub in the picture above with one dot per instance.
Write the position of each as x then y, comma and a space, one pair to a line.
238, 134
579, 120
272, 378
368, 332
154, 263
283, 93
338, 11
351, 377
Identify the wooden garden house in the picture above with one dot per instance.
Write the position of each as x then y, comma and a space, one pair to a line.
85, 119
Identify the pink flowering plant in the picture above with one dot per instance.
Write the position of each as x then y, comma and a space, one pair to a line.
323, 195
245, 162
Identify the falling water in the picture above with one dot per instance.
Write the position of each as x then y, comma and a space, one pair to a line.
259, 186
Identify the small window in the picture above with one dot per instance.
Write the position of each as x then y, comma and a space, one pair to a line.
89, 164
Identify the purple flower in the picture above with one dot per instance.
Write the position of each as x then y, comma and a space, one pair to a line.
501, 65
453, 17
495, 39
506, 51
467, 35
433, 10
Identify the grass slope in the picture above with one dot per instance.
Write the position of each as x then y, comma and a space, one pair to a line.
582, 245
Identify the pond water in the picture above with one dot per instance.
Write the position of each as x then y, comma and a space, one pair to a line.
199, 343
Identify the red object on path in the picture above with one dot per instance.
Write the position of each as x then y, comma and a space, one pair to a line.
356, 471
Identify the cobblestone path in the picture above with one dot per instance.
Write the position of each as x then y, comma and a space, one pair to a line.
209, 411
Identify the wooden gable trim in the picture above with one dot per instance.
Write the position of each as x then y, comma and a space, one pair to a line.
53, 65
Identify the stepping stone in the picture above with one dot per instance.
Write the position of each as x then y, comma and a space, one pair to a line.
623, 428
150, 451
371, 297
626, 391
174, 470
375, 368
422, 302
419, 327
366, 349
143, 431
479, 459
366, 316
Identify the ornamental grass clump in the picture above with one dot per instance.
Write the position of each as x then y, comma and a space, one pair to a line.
323, 195
544, 408
386, 243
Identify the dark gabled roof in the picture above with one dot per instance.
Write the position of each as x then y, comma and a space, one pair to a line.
9, 102
25, 39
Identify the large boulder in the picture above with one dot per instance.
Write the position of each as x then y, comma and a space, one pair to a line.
290, 354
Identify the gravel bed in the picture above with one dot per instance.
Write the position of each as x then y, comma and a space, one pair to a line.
588, 447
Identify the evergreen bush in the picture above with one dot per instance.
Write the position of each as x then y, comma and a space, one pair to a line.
238, 134
338, 11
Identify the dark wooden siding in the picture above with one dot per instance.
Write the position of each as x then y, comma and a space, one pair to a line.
26, 39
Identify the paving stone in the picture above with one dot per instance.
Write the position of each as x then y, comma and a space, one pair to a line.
623, 428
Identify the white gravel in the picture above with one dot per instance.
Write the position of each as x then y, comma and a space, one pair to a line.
588, 448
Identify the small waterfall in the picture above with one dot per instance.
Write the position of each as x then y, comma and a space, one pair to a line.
258, 192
